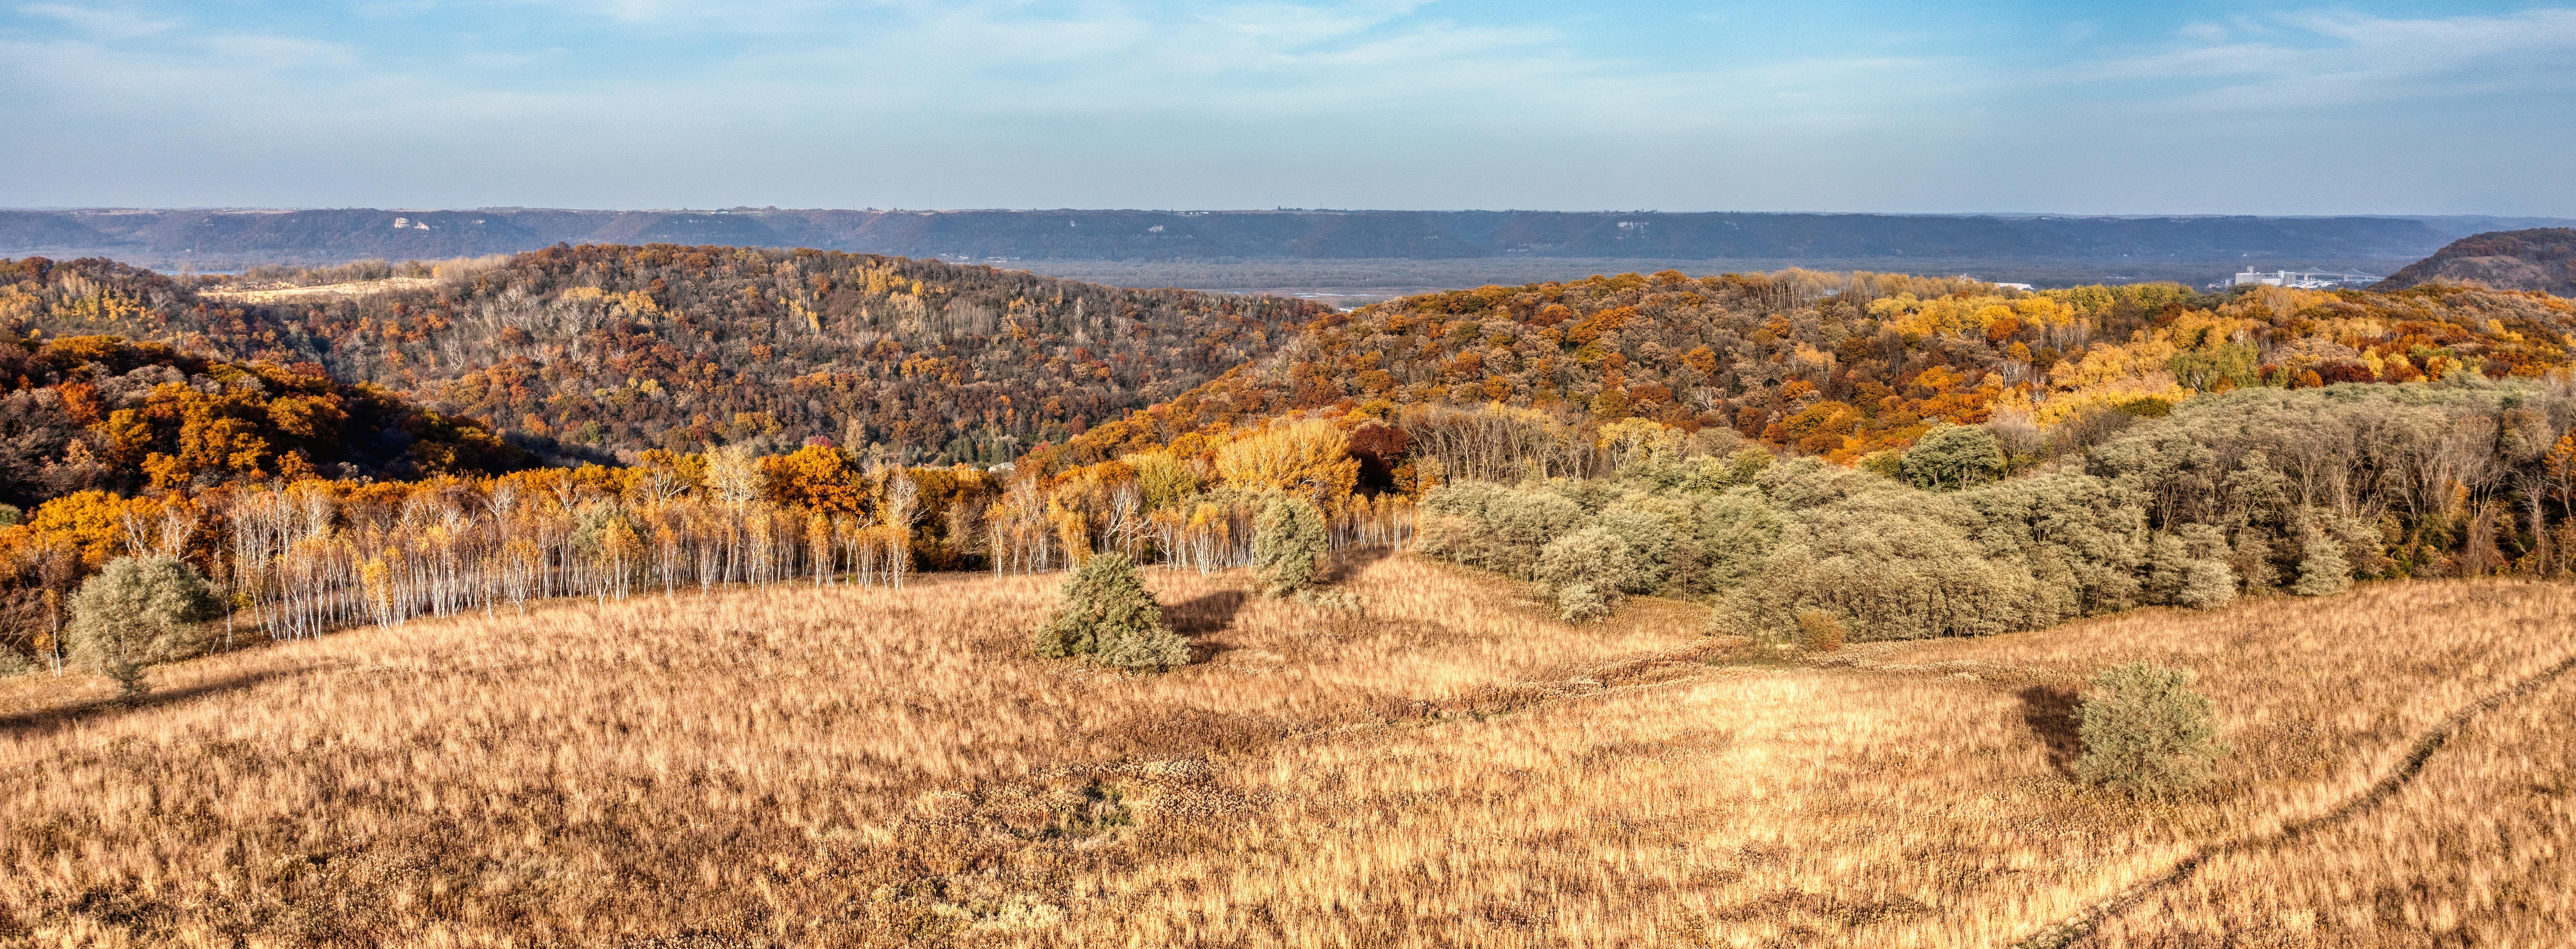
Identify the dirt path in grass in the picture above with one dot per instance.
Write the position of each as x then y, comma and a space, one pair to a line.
2425, 746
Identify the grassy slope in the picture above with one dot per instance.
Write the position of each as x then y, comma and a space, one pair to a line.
1450, 768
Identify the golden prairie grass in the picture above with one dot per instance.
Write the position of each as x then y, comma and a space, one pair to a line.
1447, 767
305, 294
2476, 850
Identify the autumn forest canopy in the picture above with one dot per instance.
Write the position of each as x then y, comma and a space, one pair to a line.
372, 442
591, 351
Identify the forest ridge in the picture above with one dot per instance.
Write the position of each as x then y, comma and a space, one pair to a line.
595, 352
1846, 365
602, 352
2540, 258
1569, 445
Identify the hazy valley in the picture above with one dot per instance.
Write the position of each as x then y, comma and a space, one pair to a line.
1286, 249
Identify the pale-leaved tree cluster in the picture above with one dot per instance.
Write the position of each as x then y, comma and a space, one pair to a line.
2247, 493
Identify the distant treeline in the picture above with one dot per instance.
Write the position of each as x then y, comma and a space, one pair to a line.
1842, 366
2541, 258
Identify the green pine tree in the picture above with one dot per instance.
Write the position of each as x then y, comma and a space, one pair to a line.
1108, 617
2146, 732
1287, 540
137, 612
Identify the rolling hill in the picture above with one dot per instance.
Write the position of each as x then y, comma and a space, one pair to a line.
2542, 259
1445, 766
617, 349
741, 719
1842, 365
82, 411
594, 351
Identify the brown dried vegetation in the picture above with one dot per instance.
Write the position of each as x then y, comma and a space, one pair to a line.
1442, 766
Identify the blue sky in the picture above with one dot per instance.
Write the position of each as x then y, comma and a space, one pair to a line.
1836, 105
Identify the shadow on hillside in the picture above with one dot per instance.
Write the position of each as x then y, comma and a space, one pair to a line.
2051, 713
1199, 616
28, 724
1349, 563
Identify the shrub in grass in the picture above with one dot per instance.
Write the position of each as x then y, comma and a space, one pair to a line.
1820, 631
137, 612
1108, 617
2146, 732
1587, 569
1287, 540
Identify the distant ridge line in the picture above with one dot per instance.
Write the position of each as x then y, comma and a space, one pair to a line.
212, 237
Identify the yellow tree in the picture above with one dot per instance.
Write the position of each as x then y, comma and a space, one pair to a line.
2560, 470
816, 478
1636, 441
1304, 458
92, 522
734, 475
1164, 480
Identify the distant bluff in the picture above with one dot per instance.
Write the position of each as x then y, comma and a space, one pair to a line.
216, 238
2542, 258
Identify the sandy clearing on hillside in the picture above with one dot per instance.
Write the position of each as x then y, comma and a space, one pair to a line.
360, 288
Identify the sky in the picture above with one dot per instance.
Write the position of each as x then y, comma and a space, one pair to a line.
1826, 105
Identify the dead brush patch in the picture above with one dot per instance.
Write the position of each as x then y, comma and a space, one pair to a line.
1441, 765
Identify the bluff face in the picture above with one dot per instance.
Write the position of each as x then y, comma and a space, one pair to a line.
2542, 259
231, 238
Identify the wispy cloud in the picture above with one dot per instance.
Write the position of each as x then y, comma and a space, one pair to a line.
1087, 101
280, 52
1385, 66
117, 24
2330, 59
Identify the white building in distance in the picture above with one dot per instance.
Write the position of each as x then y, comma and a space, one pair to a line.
2303, 279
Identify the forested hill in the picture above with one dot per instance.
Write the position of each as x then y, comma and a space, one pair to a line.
1835, 365
230, 239
82, 413
596, 350
2542, 259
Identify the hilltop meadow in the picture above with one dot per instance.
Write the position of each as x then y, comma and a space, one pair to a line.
1430, 759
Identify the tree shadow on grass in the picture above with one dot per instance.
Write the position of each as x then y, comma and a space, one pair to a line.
2053, 713
1349, 563
1201, 615
41, 721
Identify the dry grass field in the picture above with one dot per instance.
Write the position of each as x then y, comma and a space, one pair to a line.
1446, 767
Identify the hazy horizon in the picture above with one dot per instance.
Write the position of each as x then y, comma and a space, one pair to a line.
738, 208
